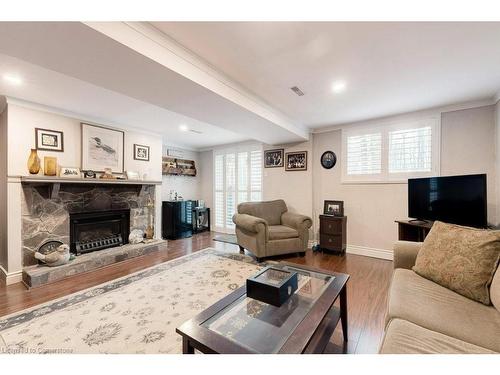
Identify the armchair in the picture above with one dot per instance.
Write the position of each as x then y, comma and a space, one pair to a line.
267, 229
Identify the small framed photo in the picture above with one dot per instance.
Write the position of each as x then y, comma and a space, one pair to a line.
89, 174
49, 140
334, 208
141, 152
296, 161
68, 172
274, 158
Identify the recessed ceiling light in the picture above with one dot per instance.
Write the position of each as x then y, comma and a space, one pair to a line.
338, 87
183, 128
13, 79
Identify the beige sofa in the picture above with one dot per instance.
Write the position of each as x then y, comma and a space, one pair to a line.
424, 317
267, 229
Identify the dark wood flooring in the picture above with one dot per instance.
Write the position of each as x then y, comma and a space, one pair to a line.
367, 287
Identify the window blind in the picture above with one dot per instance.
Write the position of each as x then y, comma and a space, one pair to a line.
364, 154
410, 150
237, 179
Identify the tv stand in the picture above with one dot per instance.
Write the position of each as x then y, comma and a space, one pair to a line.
413, 230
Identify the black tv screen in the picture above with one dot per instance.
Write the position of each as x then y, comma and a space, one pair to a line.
454, 199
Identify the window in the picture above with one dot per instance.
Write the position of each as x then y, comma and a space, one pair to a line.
392, 152
237, 178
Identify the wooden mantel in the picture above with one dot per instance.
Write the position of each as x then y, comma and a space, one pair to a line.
59, 180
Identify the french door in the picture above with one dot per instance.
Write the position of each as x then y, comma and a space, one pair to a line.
237, 178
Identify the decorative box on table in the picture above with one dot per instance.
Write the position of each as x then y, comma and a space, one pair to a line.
272, 285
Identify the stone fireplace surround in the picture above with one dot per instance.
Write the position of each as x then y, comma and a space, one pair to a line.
45, 215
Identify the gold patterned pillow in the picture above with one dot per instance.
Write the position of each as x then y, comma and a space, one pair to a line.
460, 258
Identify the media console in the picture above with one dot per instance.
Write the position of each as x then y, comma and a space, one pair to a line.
415, 231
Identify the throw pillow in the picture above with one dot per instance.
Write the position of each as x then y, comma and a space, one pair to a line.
460, 258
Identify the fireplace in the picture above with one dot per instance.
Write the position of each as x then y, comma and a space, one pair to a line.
97, 230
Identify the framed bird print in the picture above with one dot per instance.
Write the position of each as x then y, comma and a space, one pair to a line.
102, 148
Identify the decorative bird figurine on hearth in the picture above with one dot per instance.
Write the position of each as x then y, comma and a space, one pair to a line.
57, 257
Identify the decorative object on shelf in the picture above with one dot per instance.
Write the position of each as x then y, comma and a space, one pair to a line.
296, 161
33, 162
136, 236
50, 166
89, 174
272, 285
328, 159
102, 148
274, 158
334, 208
53, 253
107, 174
67, 172
141, 152
183, 167
133, 175
49, 140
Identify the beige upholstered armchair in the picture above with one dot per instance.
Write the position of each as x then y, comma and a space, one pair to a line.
267, 229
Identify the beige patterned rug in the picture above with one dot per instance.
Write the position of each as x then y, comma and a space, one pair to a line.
134, 314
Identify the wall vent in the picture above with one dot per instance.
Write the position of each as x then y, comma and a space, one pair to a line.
296, 90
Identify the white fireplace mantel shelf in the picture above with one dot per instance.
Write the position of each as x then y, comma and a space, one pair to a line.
93, 181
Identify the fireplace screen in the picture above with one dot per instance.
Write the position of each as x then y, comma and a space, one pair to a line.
91, 231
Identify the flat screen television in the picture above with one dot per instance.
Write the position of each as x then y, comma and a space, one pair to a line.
453, 199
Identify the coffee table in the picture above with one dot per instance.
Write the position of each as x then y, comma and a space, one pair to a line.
303, 324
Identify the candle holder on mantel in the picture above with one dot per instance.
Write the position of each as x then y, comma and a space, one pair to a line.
150, 228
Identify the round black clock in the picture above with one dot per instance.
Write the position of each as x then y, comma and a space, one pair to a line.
328, 159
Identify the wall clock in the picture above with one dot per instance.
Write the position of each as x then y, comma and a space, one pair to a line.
328, 159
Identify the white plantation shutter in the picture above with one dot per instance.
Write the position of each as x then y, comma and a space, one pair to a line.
364, 154
410, 150
237, 178
391, 153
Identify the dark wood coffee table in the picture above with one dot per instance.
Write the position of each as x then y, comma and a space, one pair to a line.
304, 324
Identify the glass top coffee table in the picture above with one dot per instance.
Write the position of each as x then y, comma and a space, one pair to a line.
303, 324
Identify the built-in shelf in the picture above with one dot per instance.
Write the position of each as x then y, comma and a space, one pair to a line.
59, 180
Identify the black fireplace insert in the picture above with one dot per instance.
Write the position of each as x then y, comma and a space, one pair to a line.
97, 230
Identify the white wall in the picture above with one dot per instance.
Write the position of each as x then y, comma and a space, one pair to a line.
186, 186
467, 146
21, 138
3, 189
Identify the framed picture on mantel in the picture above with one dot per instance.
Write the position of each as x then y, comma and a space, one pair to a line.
102, 148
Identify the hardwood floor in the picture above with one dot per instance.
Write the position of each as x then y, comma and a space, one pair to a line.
367, 288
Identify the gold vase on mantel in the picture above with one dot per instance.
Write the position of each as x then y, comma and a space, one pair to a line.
33, 162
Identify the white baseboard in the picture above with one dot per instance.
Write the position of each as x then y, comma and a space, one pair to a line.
370, 252
11, 278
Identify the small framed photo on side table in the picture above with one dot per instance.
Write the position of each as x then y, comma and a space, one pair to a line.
334, 208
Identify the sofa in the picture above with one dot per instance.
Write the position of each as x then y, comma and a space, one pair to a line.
268, 229
424, 317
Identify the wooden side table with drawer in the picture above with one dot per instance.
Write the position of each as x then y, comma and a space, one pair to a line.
333, 233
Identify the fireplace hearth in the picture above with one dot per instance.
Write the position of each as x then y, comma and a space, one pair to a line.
98, 230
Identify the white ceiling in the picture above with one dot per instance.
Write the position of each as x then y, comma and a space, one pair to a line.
102, 72
124, 86
93, 103
389, 68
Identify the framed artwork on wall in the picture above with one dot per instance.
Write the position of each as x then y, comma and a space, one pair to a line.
296, 161
274, 158
102, 148
141, 152
49, 140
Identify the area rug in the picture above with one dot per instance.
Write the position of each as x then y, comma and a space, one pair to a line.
137, 313
228, 238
